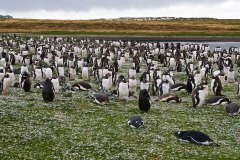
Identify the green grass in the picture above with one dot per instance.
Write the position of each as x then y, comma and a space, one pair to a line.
74, 127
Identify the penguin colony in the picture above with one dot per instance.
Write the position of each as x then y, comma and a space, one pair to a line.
49, 63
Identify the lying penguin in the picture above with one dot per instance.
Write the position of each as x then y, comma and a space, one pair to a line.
195, 137
135, 122
232, 109
216, 100
169, 97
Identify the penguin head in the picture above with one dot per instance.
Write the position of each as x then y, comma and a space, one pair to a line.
144, 93
178, 134
178, 99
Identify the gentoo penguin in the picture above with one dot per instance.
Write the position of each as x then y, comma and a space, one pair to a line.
231, 76
216, 85
232, 109
163, 87
56, 84
132, 83
195, 137
6, 83
26, 82
135, 122
169, 97
216, 100
38, 85
189, 87
85, 72
123, 90
199, 95
60, 70
72, 75
48, 72
105, 83
24, 68
144, 84
132, 72
48, 91
144, 102
101, 98
82, 86
38, 73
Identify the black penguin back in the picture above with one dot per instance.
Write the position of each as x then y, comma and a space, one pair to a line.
48, 91
144, 101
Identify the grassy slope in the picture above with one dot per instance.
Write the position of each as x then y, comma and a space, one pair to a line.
200, 27
76, 128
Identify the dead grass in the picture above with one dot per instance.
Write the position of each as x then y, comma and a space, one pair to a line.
211, 26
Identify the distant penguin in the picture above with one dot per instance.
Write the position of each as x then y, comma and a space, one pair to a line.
216, 100
6, 83
24, 68
26, 82
135, 122
105, 83
144, 101
123, 90
169, 97
72, 75
101, 98
232, 109
48, 91
189, 87
198, 96
2, 73
195, 137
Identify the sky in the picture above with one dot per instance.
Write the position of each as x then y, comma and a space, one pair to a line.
95, 9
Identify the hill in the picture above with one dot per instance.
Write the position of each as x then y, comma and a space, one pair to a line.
173, 27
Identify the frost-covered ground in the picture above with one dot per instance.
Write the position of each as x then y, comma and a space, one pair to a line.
74, 127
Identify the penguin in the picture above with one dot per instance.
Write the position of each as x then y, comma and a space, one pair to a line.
85, 74
144, 85
169, 97
101, 98
105, 83
132, 72
56, 84
38, 73
132, 83
60, 70
198, 96
163, 87
2, 73
48, 92
135, 122
38, 85
189, 87
195, 137
144, 101
48, 72
72, 75
82, 86
123, 90
216, 86
6, 83
24, 68
232, 109
26, 82
231, 76
216, 100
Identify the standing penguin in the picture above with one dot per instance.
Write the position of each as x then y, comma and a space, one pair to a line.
26, 82
6, 83
216, 86
163, 87
123, 90
48, 91
144, 103
198, 96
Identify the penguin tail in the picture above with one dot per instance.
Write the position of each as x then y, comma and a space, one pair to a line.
215, 144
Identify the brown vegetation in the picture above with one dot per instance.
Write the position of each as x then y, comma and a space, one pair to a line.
207, 26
